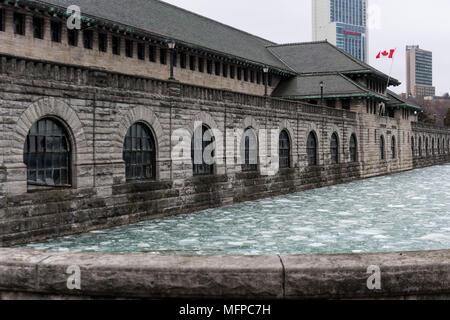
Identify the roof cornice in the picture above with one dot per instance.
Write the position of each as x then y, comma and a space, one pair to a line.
93, 21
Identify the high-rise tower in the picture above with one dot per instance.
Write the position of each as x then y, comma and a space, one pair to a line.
344, 24
419, 72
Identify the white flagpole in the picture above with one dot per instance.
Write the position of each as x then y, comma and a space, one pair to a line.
392, 64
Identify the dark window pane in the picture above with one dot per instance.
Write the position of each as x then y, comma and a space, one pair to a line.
72, 37
163, 55
19, 24
49, 177
141, 51
41, 176
64, 177
57, 177
41, 143
192, 63
102, 42
88, 39
201, 64
32, 175
152, 53
116, 45
38, 28
56, 30
2, 19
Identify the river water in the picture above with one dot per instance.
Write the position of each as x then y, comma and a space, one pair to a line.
402, 212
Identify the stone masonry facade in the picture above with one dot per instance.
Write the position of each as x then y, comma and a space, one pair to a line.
97, 108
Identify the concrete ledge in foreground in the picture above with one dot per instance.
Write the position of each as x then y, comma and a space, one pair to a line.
43, 275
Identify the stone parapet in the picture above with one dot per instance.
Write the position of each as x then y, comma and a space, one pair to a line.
45, 275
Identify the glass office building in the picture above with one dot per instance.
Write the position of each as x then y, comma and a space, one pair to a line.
419, 72
343, 23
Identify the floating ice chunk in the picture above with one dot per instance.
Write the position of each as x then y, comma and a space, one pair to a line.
187, 241
435, 237
344, 213
369, 232
236, 243
381, 237
317, 245
303, 229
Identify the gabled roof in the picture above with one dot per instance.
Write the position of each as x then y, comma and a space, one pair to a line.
322, 56
336, 85
397, 101
172, 22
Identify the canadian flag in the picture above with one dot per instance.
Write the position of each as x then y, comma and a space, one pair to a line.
386, 54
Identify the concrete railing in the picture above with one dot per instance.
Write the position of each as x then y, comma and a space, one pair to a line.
49, 275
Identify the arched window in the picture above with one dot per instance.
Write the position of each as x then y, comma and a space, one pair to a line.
393, 148
139, 153
284, 153
382, 148
311, 149
353, 148
249, 151
413, 147
47, 154
334, 148
426, 146
439, 146
201, 165
420, 146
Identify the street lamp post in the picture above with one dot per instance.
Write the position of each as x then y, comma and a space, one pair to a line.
171, 46
266, 74
321, 92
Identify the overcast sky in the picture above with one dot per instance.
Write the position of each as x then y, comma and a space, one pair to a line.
394, 24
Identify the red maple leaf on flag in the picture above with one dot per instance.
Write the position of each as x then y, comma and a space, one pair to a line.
389, 55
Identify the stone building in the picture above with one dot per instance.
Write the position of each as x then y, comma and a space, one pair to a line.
97, 124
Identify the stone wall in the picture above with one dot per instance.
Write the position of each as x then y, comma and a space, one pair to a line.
98, 107
26, 274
